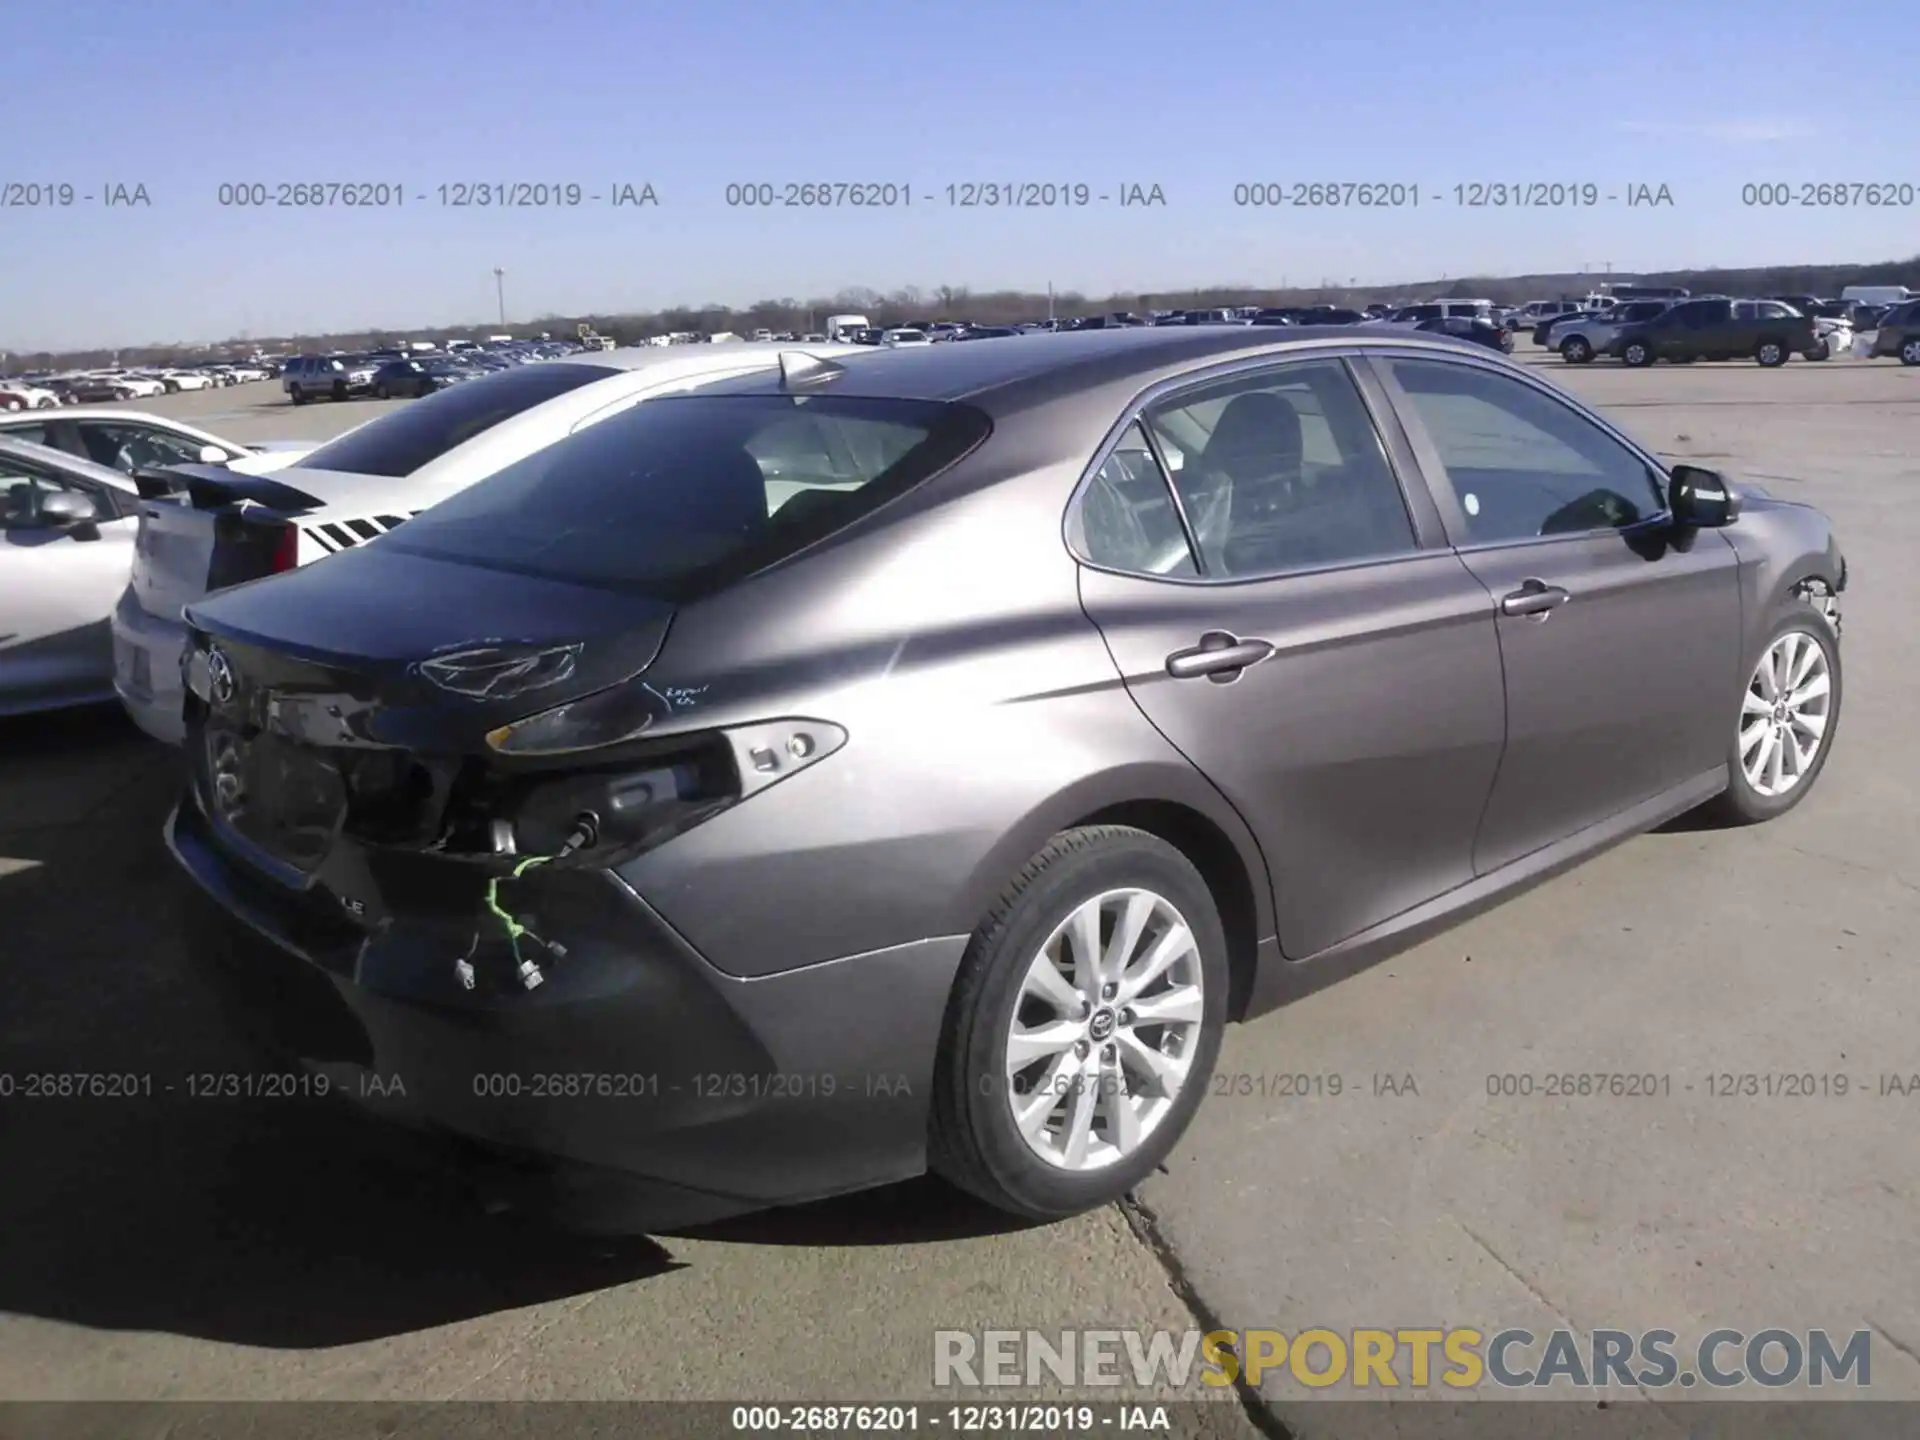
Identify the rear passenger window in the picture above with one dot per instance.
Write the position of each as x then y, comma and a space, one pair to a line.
1127, 519
1281, 471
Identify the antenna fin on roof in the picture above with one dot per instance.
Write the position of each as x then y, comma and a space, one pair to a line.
798, 368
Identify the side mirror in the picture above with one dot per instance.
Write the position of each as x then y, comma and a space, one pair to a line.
76, 514
1701, 499
213, 455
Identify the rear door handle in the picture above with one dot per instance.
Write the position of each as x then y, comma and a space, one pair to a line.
1219, 657
1534, 597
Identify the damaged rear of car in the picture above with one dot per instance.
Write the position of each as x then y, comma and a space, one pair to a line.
424, 773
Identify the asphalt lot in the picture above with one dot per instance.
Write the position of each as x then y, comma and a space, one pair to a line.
168, 1248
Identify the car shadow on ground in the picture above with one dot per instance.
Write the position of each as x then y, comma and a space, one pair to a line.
135, 1201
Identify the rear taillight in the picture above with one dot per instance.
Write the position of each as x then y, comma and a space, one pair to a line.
248, 549
286, 549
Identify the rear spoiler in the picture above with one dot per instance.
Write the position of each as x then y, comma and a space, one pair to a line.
208, 487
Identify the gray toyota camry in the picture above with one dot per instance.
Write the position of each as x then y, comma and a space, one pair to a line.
914, 761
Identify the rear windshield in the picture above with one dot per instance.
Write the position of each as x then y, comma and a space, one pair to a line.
684, 494
405, 440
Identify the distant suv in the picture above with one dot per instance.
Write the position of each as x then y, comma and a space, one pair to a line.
1899, 333
1719, 330
327, 377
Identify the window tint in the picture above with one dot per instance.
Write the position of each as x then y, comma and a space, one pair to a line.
403, 441
131, 447
1127, 519
1521, 463
683, 494
1282, 471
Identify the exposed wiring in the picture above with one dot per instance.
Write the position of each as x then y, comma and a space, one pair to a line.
586, 830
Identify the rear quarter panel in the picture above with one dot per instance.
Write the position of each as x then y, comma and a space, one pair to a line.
983, 710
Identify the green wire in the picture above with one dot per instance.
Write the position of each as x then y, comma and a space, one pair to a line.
515, 930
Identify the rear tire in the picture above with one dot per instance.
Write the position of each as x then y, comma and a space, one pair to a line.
974, 1140
1745, 802
1770, 354
380, 392
297, 395
1575, 350
1636, 353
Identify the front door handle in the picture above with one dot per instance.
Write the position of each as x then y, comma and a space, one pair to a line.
1219, 656
1535, 598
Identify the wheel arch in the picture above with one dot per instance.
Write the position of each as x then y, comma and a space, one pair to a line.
1174, 804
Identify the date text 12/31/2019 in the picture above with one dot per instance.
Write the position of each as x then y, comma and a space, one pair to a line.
450, 195
1470, 195
965, 195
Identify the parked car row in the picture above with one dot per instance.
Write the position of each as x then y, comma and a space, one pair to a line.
46, 390
400, 374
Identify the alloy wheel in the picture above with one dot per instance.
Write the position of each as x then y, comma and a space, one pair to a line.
1784, 713
1104, 1029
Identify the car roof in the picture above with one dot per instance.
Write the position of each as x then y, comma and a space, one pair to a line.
1048, 366
693, 358
60, 460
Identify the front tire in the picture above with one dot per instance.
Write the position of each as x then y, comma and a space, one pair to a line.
297, 395
1789, 713
1575, 350
1910, 352
1083, 1026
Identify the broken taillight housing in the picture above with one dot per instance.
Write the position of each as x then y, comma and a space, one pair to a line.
632, 791
613, 716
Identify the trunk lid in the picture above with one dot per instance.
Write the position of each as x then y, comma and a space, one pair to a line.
315, 737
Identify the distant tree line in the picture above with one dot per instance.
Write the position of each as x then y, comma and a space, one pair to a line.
1001, 307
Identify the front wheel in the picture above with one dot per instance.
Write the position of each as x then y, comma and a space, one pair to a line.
1575, 350
1083, 1026
1910, 352
1789, 712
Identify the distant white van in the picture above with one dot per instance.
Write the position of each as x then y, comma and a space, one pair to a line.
1876, 295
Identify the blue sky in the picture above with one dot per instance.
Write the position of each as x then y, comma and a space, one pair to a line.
689, 97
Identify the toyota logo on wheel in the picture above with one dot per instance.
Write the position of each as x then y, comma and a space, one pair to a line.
220, 676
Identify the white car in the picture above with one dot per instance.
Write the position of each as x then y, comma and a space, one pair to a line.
358, 486
129, 440
894, 339
138, 387
176, 380
67, 531
30, 396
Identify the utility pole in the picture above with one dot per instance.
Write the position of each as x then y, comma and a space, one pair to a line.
1049, 300
500, 288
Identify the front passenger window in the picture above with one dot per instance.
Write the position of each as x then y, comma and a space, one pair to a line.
1521, 464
